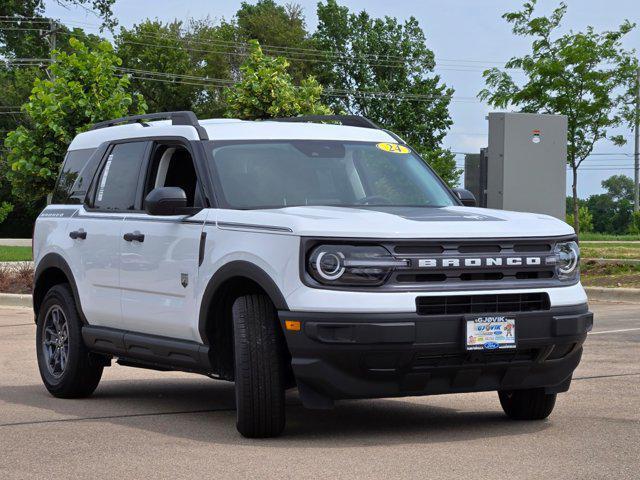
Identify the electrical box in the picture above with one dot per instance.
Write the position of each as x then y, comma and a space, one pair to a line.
526, 166
475, 175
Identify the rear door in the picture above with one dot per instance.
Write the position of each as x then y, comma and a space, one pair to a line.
96, 232
160, 259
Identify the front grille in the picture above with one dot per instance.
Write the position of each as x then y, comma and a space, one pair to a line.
474, 264
465, 304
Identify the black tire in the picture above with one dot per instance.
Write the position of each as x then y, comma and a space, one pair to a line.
531, 404
81, 374
259, 367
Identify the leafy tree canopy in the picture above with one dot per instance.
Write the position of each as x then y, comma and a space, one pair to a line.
85, 88
280, 30
30, 39
375, 55
272, 24
619, 187
582, 75
585, 218
266, 90
157, 47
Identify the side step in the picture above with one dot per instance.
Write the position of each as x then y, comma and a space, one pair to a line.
152, 350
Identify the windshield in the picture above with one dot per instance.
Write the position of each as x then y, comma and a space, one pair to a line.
283, 173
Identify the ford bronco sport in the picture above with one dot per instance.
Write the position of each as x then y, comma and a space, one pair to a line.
320, 253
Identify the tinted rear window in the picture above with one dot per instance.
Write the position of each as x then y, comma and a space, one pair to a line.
118, 180
73, 164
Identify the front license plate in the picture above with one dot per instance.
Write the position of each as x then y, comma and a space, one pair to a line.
490, 332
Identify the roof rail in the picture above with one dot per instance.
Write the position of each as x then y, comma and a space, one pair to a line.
347, 120
177, 118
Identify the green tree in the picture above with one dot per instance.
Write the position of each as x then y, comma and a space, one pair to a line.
280, 30
603, 208
27, 37
221, 62
152, 46
634, 225
267, 90
609, 215
578, 74
585, 219
272, 24
381, 68
182, 67
24, 35
619, 187
84, 89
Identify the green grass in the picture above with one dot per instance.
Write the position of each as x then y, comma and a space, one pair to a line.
610, 250
591, 236
15, 254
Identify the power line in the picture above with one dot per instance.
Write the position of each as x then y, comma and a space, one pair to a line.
194, 80
281, 48
294, 53
219, 82
309, 52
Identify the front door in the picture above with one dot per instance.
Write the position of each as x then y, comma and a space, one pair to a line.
95, 261
96, 233
160, 254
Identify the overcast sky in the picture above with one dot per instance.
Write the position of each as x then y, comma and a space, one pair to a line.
465, 35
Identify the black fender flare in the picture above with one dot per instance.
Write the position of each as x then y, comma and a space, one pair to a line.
55, 260
238, 268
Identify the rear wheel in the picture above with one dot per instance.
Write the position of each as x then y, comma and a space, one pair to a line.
65, 364
531, 404
259, 367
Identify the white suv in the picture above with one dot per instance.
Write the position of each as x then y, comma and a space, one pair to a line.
278, 254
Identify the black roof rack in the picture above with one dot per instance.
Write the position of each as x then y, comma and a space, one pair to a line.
177, 118
347, 120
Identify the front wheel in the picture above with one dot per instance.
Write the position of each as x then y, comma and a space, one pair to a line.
259, 367
66, 366
530, 404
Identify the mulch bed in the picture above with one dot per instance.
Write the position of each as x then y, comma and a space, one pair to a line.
16, 278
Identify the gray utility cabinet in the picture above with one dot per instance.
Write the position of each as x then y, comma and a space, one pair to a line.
526, 163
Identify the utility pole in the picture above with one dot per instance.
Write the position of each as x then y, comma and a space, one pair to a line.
51, 39
636, 153
52, 35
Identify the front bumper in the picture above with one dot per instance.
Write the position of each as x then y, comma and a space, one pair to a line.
359, 355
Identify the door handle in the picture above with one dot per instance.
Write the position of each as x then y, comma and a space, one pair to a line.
134, 236
78, 234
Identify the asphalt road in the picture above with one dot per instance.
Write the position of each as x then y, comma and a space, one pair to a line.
143, 424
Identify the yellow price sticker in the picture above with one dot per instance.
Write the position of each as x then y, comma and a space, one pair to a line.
392, 148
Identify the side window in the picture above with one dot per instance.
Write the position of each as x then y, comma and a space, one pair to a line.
172, 166
118, 180
74, 162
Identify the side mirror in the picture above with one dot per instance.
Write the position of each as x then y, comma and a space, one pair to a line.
466, 197
166, 201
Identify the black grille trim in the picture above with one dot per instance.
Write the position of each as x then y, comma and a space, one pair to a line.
414, 278
468, 304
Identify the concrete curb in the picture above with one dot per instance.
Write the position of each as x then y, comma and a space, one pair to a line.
15, 300
604, 294
15, 242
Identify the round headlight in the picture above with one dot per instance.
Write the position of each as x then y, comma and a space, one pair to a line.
353, 265
568, 259
330, 265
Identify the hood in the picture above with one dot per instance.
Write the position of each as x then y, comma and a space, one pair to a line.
402, 222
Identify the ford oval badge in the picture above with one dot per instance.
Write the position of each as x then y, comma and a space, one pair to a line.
490, 345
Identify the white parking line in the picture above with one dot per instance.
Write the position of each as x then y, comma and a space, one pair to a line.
615, 331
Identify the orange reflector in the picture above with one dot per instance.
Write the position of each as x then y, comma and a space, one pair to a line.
292, 325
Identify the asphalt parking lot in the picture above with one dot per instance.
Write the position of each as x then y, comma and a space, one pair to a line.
144, 424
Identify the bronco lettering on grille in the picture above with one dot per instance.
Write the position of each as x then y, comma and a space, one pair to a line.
479, 262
